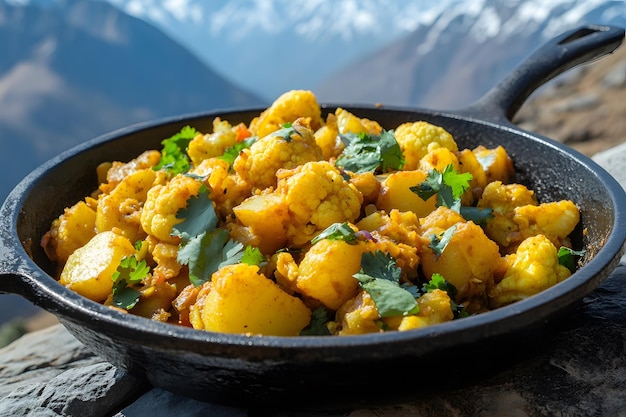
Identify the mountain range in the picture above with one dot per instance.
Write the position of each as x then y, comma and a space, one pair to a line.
80, 69
441, 54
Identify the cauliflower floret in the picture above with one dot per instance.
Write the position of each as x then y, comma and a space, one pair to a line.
416, 139
503, 199
286, 109
518, 216
158, 216
212, 144
258, 164
325, 273
317, 196
117, 171
438, 159
121, 207
533, 268
556, 220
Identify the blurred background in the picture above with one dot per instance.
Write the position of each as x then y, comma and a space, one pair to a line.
71, 70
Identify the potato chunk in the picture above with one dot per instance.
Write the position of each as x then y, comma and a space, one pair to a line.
242, 300
73, 229
468, 261
89, 269
395, 193
267, 216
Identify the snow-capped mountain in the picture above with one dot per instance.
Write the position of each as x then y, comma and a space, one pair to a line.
272, 46
269, 47
463, 52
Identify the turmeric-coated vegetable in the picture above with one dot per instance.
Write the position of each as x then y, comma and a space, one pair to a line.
311, 222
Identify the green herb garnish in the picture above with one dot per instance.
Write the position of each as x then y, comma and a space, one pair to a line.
204, 247
380, 278
449, 186
129, 273
337, 231
317, 327
174, 158
370, 153
569, 257
231, 153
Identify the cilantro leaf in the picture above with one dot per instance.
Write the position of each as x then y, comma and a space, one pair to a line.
370, 153
380, 277
459, 182
569, 257
128, 273
391, 156
234, 253
337, 231
476, 214
124, 296
437, 282
208, 252
449, 186
198, 217
438, 244
204, 255
231, 153
317, 327
253, 256
174, 158
285, 132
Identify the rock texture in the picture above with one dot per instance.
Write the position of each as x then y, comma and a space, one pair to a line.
585, 108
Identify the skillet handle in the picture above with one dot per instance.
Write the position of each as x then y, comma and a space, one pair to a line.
18, 273
558, 55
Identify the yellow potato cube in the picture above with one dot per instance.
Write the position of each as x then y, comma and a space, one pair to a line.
73, 229
243, 301
395, 193
266, 215
89, 269
468, 261
326, 272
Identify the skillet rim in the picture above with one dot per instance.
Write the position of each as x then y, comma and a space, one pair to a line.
581, 283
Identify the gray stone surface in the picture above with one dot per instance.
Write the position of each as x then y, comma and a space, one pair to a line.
614, 161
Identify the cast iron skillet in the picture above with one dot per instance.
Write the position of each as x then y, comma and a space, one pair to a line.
331, 371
